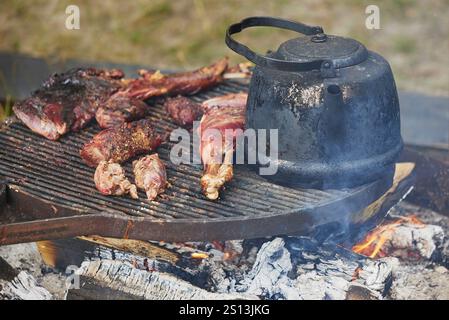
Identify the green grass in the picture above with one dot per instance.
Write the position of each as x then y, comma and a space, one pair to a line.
405, 45
161, 9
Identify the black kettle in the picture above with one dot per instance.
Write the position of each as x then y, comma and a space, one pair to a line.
334, 103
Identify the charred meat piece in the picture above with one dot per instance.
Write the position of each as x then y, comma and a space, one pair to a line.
226, 113
153, 84
80, 76
183, 110
150, 175
48, 113
119, 109
110, 180
97, 93
67, 101
96, 86
120, 143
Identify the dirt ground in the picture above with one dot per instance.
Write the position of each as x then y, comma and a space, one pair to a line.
413, 35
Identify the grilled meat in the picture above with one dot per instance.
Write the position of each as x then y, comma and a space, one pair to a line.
82, 76
222, 113
153, 84
110, 180
67, 101
150, 175
183, 110
120, 143
99, 87
49, 115
119, 109
232, 100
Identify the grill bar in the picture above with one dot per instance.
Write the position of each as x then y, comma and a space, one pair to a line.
77, 179
76, 162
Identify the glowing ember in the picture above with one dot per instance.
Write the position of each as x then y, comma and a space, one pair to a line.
228, 255
373, 243
356, 274
199, 255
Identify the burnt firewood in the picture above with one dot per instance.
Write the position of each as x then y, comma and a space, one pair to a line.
143, 255
297, 268
108, 279
15, 285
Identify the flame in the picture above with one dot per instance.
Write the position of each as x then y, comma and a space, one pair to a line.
49, 252
373, 243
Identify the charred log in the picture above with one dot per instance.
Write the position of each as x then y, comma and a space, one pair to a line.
109, 279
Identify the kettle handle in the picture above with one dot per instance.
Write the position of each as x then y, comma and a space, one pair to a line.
269, 62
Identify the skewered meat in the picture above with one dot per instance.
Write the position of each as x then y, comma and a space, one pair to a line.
221, 113
183, 110
119, 109
120, 143
110, 180
153, 84
150, 175
67, 101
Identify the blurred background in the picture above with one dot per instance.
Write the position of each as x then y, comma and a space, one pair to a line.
414, 34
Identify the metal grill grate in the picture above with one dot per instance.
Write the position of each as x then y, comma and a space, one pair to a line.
53, 172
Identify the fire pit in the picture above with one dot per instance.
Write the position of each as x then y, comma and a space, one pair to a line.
292, 243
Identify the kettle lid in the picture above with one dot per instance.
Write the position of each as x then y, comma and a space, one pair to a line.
343, 52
